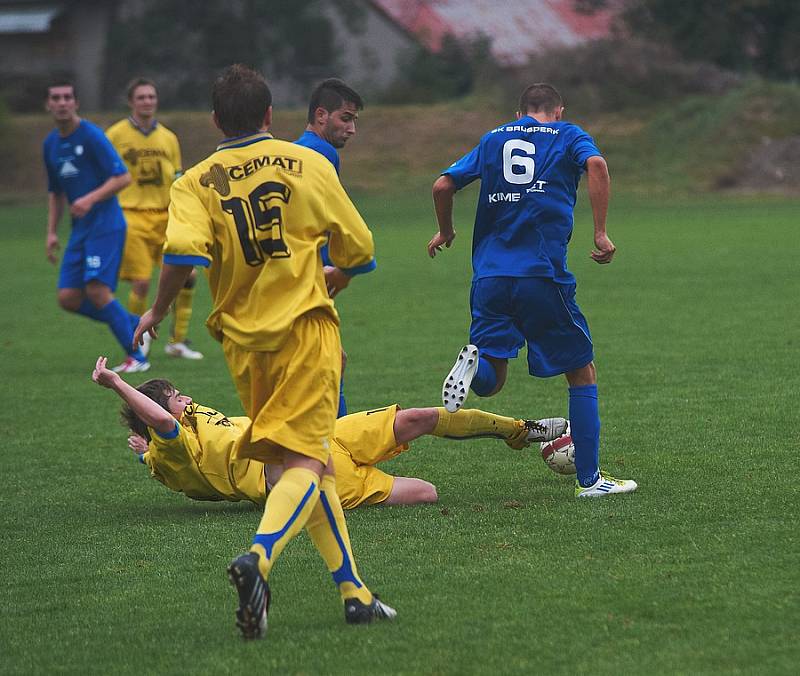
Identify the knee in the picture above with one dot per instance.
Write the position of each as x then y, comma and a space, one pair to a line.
422, 419
141, 287
70, 299
586, 375
426, 492
98, 294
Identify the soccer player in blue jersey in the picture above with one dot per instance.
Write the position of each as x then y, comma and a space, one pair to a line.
521, 289
84, 170
332, 114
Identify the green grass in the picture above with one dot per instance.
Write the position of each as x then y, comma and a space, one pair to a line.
696, 333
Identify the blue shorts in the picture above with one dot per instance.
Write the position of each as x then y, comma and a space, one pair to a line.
89, 257
507, 312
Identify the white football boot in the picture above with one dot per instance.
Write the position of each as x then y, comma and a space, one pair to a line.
182, 350
605, 485
456, 385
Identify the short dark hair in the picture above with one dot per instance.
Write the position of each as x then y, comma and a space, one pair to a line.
540, 97
332, 94
61, 82
157, 389
139, 82
240, 98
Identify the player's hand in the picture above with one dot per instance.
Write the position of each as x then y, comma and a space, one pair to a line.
51, 247
335, 280
102, 375
604, 250
137, 444
439, 240
148, 323
81, 206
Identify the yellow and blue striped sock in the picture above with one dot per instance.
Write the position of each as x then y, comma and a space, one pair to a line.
289, 504
328, 531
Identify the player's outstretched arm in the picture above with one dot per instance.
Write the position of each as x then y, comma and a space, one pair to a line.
444, 190
599, 184
145, 408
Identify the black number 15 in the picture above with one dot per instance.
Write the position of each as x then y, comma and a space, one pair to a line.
259, 222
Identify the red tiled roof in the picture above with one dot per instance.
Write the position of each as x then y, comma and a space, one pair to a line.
517, 28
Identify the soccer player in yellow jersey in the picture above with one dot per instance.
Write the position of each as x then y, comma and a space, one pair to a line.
194, 455
153, 156
256, 213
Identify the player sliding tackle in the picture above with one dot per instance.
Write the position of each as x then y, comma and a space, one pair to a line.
189, 447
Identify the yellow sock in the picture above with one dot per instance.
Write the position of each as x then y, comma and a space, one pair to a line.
470, 422
328, 531
289, 504
182, 314
137, 304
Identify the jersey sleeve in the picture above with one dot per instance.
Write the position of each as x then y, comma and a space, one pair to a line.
350, 246
53, 184
176, 444
465, 170
582, 147
190, 235
176, 158
107, 157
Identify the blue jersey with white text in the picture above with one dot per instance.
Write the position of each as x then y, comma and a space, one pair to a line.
79, 163
529, 173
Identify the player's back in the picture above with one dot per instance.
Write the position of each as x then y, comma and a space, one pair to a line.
529, 174
258, 210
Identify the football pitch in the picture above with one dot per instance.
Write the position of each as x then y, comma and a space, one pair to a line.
696, 329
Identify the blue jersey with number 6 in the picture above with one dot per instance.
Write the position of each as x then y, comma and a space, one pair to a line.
529, 173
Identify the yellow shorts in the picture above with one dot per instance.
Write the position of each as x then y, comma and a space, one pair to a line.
360, 441
291, 395
144, 242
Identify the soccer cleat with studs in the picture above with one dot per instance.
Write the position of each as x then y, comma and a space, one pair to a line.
456, 385
356, 612
254, 596
605, 485
542, 430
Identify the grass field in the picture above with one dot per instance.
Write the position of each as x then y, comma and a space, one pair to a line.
696, 331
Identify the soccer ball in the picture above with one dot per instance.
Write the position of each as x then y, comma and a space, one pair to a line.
559, 454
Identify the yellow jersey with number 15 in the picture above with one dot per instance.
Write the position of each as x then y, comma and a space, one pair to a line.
256, 214
154, 160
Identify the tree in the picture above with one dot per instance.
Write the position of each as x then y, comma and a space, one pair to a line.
184, 43
757, 35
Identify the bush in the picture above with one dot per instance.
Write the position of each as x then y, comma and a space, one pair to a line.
609, 75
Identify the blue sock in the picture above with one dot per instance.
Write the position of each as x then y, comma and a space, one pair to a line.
120, 322
485, 379
88, 310
342, 403
584, 423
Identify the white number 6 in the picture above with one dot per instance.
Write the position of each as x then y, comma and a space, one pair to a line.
524, 161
